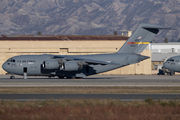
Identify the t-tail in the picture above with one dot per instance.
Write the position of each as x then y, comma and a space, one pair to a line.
142, 36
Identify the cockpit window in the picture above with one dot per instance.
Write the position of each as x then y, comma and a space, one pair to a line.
11, 60
172, 60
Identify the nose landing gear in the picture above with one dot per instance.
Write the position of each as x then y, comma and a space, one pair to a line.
12, 77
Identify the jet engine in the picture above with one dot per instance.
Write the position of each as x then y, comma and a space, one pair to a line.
71, 66
51, 64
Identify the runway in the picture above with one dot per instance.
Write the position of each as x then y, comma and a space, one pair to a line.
122, 97
95, 80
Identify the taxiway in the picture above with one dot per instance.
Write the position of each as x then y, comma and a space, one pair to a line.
96, 80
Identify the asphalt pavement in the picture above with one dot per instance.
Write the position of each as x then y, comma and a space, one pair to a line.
95, 80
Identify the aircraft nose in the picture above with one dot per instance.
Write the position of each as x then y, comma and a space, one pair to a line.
4, 66
165, 65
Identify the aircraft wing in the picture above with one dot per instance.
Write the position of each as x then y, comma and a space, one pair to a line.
88, 61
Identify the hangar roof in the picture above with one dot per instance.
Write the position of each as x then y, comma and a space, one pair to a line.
61, 37
169, 43
161, 57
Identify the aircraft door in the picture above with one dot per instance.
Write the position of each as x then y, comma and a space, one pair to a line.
25, 72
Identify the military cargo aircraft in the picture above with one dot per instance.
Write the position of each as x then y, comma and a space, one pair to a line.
172, 64
79, 66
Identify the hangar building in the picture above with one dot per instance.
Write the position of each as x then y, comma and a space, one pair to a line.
70, 45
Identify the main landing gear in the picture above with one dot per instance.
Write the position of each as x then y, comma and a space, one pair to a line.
172, 73
78, 77
64, 77
61, 77
12, 77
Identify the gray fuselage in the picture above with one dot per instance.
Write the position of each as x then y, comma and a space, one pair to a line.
173, 64
33, 64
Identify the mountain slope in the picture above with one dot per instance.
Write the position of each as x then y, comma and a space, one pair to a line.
90, 17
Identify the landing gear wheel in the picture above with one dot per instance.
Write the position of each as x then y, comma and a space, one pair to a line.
69, 77
60, 77
172, 73
12, 77
78, 77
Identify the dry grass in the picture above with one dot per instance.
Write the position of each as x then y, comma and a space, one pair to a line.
82, 109
90, 90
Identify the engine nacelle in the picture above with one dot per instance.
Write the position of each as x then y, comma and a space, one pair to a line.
71, 66
50, 64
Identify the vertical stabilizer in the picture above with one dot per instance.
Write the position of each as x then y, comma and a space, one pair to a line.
142, 36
